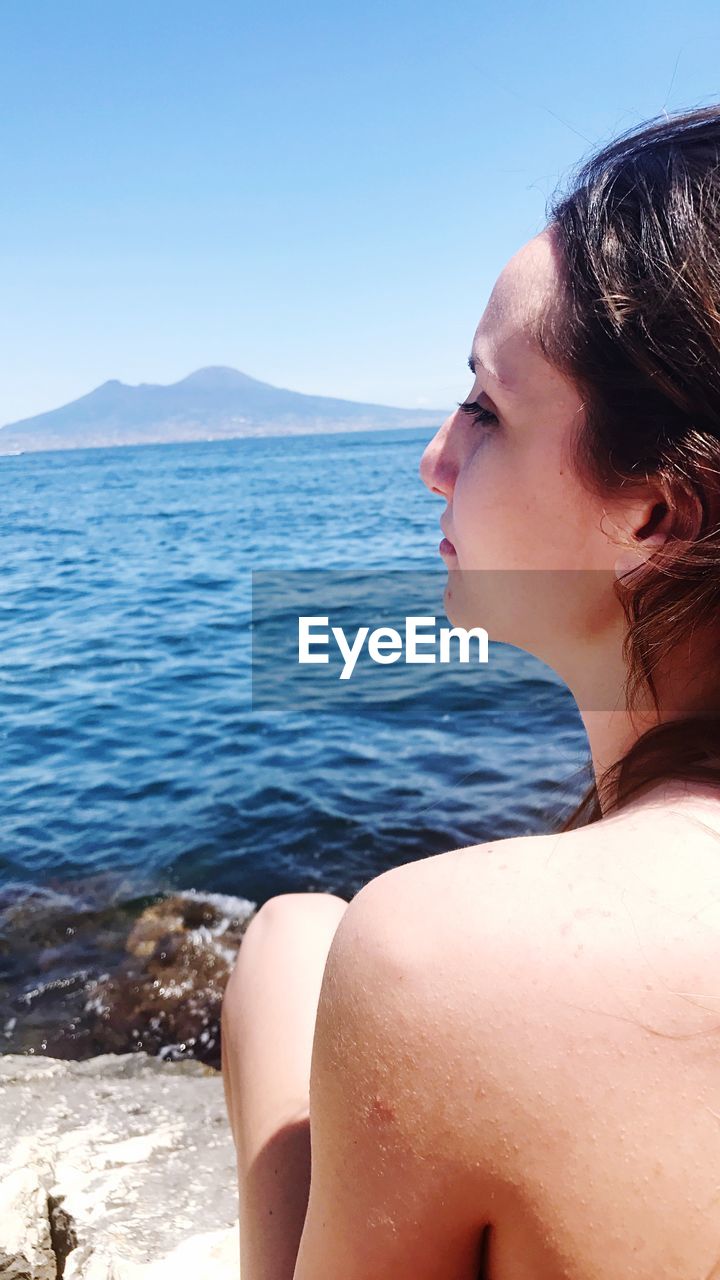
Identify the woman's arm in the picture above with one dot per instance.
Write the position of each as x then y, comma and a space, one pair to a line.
398, 1189
268, 1024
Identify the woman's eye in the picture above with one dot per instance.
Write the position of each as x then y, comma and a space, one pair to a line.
480, 415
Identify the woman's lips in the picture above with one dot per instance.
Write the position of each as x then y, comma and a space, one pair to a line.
446, 548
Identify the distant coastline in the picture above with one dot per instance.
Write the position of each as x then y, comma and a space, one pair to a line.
261, 434
215, 403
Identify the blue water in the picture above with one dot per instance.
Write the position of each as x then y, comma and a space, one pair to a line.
132, 760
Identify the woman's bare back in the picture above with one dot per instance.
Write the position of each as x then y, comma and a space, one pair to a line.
584, 1036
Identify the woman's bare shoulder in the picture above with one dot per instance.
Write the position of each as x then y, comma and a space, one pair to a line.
611, 921
570, 983
665, 855
482, 888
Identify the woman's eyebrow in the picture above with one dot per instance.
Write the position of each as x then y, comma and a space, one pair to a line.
473, 366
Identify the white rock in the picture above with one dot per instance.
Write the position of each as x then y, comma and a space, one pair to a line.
26, 1251
137, 1156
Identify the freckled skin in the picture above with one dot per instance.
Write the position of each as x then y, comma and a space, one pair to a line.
583, 1080
380, 1111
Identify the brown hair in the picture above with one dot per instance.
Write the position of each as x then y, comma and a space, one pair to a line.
637, 329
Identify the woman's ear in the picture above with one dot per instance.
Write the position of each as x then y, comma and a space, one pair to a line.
648, 526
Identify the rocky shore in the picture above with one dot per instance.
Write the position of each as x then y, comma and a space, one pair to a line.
80, 978
120, 1167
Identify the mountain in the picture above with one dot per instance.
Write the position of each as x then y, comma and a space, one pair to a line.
216, 403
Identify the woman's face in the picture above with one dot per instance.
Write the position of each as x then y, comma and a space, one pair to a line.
528, 557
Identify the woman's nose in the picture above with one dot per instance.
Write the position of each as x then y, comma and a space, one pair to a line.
436, 464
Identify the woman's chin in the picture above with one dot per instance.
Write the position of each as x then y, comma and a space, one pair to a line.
466, 610
502, 625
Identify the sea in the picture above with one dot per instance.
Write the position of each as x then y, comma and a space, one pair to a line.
134, 761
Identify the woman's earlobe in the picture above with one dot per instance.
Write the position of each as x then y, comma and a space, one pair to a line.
645, 541
657, 525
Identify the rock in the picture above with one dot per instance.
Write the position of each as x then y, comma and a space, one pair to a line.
166, 995
116, 1168
26, 1248
89, 970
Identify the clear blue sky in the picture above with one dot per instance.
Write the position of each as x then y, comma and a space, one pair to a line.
319, 194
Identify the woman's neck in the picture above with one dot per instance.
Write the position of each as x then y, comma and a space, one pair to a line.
681, 685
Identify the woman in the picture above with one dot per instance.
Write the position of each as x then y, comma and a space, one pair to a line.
515, 1046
